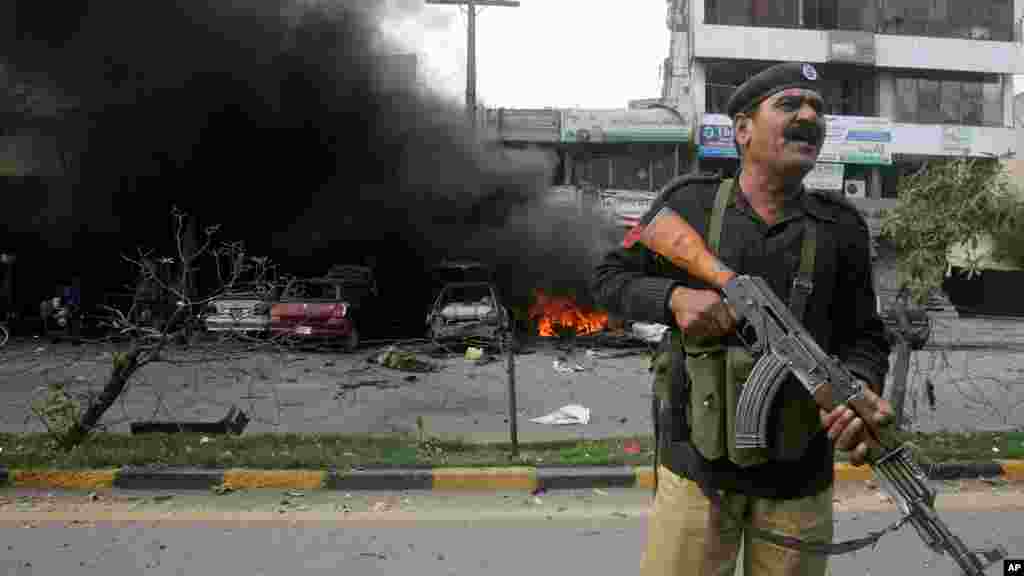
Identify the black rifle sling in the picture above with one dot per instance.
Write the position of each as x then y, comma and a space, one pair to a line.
803, 285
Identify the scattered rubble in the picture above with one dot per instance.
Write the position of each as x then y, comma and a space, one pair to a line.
397, 359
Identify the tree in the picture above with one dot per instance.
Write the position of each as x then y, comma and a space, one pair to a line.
1009, 245
67, 419
946, 204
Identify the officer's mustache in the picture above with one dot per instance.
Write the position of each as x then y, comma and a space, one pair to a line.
808, 132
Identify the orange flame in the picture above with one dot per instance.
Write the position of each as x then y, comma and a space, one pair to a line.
554, 311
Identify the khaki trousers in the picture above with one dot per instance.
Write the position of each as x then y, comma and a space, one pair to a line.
686, 537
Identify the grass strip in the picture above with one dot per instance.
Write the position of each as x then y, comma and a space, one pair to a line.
326, 451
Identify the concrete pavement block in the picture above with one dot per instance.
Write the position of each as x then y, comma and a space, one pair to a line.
963, 470
381, 479
569, 478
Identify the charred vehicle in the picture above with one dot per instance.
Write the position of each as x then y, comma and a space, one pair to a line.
242, 310
326, 308
467, 304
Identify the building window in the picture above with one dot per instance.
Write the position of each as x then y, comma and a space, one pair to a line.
969, 19
906, 98
627, 167
594, 171
631, 172
949, 103
774, 13
928, 102
764, 13
992, 100
974, 19
851, 14
848, 90
663, 168
972, 104
965, 100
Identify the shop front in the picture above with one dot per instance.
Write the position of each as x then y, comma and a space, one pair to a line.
855, 149
621, 158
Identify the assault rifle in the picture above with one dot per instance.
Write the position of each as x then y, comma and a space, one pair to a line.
770, 331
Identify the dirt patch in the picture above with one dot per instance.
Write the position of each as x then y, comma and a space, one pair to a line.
969, 494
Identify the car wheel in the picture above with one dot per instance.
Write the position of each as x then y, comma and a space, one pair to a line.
352, 340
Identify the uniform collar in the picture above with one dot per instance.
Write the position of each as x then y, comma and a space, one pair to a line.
794, 206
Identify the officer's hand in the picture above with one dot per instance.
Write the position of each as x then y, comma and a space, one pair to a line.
701, 312
847, 430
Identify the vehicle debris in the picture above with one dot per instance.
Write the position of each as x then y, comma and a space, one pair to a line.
234, 422
466, 304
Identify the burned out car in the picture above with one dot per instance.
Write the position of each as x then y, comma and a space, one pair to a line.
324, 309
467, 304
241, 310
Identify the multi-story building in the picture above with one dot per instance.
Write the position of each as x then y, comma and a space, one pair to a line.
906, 80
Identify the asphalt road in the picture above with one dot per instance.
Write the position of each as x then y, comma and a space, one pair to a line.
571, 532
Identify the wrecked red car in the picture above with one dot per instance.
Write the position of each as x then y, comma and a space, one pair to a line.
317, 309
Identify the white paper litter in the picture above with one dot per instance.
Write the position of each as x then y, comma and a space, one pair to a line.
649, 332
563, 367
566, 415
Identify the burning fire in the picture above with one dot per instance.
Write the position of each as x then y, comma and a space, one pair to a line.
554, 311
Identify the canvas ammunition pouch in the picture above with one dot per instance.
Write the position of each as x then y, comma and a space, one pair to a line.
703, 401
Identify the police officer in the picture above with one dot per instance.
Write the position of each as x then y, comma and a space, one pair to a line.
813, 249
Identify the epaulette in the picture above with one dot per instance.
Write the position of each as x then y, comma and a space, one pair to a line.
673, 185
837, 198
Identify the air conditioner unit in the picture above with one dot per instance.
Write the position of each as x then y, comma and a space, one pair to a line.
856, 188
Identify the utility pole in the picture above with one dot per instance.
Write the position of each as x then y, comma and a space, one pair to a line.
471, 45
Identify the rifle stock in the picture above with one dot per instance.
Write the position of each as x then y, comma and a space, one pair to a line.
768, 328
672, 237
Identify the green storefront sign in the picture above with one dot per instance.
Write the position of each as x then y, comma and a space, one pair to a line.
620, 126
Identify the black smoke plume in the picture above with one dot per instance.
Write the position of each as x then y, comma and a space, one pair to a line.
269, 118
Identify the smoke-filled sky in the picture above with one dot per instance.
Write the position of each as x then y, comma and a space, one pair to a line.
558, 53
263, 116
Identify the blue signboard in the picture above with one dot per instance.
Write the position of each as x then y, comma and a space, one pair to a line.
716, 137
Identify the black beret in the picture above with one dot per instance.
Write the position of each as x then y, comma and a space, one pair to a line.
770, 81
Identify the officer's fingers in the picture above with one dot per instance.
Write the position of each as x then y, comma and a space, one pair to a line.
851, 435
841, 422
859, 455
832, 417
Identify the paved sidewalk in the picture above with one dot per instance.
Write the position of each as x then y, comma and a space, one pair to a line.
975, 389
345, 394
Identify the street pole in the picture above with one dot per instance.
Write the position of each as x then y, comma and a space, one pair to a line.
512, 409
471, 45
471, 63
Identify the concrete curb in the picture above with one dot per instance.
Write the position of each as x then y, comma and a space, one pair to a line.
439, 479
